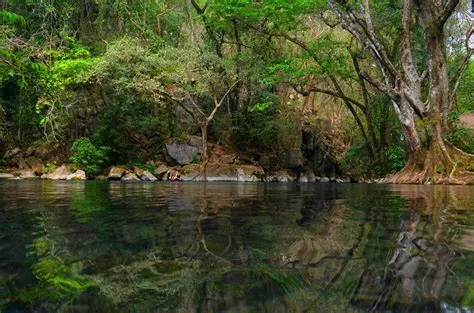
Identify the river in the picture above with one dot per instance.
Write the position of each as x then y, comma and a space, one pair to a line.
235, 247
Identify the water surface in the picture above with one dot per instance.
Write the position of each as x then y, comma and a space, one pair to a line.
235, 247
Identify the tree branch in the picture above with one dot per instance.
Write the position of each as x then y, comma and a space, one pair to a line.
448, 9
199, 10
331, 93
219, 104
389, 91
411, 74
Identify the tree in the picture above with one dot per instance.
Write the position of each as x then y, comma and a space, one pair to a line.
186, 76
436, 161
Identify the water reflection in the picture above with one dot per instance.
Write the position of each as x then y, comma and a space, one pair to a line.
177, 247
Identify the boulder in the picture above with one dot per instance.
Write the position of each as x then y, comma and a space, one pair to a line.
61, 173
173, 174
221, 172
303, 179
6, 176
17, 161
11, 153
190, 172
250, 173
310, 175
243, 177
25, 174
115, 173
147, 176
130, 177
77, 175
35, 164
227, 158
281, 176
183, 152
42, 151
161, 171
325, 180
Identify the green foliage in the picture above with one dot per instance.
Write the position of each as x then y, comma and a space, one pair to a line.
465, 96
396, 158
463, 138
87, 156
195, 159
10, 18
60, 279
265, 127
358, 162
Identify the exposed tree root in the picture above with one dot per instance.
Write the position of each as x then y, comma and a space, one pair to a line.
442, 164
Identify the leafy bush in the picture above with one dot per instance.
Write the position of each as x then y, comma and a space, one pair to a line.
463, 138
396, 158
357, 161
266, 129
87, 156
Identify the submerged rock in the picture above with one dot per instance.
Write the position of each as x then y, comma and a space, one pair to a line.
115, 173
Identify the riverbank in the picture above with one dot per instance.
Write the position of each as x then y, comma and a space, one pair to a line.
190, 172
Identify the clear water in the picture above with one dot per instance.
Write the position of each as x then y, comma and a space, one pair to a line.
234, 247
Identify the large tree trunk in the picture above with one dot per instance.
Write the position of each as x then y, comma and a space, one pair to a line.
439, 162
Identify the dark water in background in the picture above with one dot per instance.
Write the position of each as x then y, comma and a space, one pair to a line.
235, 247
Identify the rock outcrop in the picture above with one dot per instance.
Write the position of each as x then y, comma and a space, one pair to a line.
115, 173
294, 159
160, 171
12, 153
146, 175
183, 152
61, 173
36, 164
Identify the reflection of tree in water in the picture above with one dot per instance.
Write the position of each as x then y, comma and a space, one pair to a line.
289, 248
415, 275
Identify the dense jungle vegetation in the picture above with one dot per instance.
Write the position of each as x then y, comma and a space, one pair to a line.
105, 82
